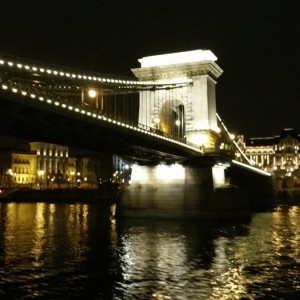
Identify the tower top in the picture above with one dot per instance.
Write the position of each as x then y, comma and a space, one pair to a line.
177, 58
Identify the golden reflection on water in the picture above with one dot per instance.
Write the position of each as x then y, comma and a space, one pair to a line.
137, 260
38, 233
34, 231
163, 260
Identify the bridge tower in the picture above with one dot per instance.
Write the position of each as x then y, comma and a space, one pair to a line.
187, 107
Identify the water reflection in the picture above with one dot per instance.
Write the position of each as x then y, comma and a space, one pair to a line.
71, 251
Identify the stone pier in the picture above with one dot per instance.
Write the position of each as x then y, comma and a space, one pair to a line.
184, 192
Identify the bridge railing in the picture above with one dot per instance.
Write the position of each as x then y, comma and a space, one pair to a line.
73, 103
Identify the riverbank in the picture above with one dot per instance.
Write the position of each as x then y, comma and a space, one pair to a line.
98, 196
288, 197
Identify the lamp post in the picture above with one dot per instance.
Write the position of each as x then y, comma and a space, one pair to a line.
92, 94
157, 121
72, 178
12, 174
40, 176
78, 181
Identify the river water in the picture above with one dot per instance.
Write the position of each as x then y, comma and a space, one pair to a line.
69, 251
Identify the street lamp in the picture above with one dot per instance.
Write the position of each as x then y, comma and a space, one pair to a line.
40, 174
78, 181
92, 93
12, 174
72, 177
156, 121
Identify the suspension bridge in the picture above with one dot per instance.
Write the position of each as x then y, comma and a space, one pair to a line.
165, 114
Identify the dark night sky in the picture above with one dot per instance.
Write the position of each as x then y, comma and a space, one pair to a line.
256, 42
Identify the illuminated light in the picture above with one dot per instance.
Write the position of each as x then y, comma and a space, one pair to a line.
1, 62
177, 122
77, 109
99, 117
251, 168
156, 120
49, 71
177, 58
79, 76
61, 73
94, 115
171, 172
67, 74
84, 77
95, 78
10, 63
90, 77
89, 113
74, 76
92, 93
49, 101
70, 107
139, 173
55, 72
104, 118
64, 105
83, 111
32, 95
114, 121
218, 172
33, 68
218, 130
4, 87
42, 70
19, 66
109, 120
24, 93
56, 103
123, 124
232, 136
14, 90
41, 98
118, 123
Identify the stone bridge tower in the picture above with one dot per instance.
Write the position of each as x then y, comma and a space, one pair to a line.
186, 107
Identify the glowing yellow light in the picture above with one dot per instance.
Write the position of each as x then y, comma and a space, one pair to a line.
156, 120
92, 93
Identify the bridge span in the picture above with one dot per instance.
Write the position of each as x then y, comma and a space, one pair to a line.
165, 122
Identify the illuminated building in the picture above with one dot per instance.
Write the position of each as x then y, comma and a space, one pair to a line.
52, 163
17, 168
278, 155
45, 165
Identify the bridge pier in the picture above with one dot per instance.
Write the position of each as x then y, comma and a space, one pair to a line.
184, 192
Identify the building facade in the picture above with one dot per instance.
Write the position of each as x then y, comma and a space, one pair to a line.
44, 166
17, 168
48, 165
278, 155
